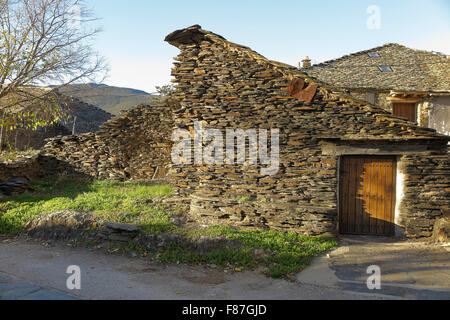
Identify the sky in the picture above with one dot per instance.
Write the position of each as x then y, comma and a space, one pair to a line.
133, 34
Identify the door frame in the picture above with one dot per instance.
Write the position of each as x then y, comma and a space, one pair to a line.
340, 185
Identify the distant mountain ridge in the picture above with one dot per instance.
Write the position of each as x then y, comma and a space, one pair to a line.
109, 98
76, 116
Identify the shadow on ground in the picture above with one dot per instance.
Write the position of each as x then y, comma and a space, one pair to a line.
412, 270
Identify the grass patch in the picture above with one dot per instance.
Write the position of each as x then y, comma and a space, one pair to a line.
112, 201
283, 253
223, 257
11, 154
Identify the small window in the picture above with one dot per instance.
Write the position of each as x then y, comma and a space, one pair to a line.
371, 97
405, 110
385, 69
373, 54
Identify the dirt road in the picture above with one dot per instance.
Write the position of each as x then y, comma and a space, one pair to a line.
33, 267
30, 270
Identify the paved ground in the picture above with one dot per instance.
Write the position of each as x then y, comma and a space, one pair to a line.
12, 288
32, 271
409, 270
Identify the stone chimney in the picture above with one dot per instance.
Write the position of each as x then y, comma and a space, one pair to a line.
306, 63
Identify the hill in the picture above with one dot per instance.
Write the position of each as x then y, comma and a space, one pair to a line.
75, 116
109, 98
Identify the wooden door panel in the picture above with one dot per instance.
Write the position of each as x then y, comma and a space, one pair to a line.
390, 198
367, 195
345, 189
405, 110
359, 198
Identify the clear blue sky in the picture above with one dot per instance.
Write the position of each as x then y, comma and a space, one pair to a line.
283, 30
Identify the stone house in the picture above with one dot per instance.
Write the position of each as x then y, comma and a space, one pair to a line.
344, 165
410, 83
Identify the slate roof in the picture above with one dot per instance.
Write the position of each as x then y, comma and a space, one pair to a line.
412, 70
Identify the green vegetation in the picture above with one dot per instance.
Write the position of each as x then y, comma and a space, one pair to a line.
280, 254
244, 199
112, 201
12, 154
57, 53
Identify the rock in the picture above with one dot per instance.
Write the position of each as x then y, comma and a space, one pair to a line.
204, 245
63, 225
260, 253
178, 220
166, 239
148, 241
441, 232
14, 186
142, 201
119, 238
122, 227
201, 245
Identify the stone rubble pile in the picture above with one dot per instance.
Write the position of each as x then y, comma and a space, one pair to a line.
134, 146
24, 164
72, 225
63, 225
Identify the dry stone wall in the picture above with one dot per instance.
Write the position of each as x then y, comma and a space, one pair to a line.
134, 146
427, 192
26, 165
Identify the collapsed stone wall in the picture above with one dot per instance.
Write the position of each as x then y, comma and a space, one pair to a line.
24, 165
226, 86
133, 146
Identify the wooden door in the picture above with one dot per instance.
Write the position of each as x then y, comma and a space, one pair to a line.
367, 195
405, 110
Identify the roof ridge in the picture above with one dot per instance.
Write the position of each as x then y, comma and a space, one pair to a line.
386, 45
356, 53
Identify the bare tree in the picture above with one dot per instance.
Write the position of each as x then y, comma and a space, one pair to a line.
43, 42
46, 42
